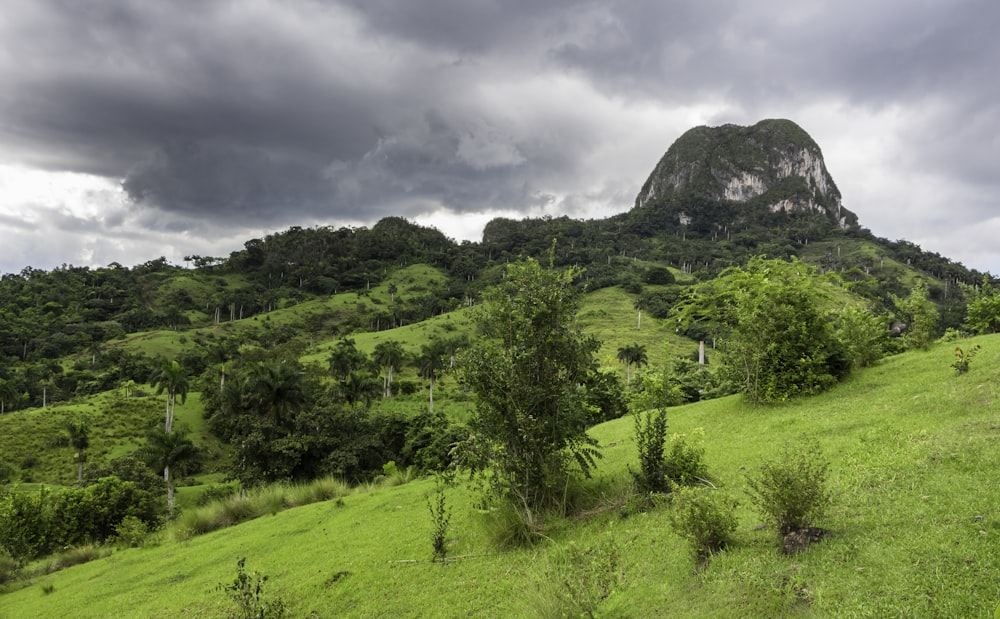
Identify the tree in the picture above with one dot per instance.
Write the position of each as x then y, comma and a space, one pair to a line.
171, 378
274, 391
632, 355
528, 370
346, 358
389, 357
920, 316
430, 363
8, 394
772, 328
78, 433
982, 314
169, 452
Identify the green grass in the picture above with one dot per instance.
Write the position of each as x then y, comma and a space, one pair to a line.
913, 453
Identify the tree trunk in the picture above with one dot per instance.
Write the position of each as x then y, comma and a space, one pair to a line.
431, 407
701, 352
79, 467
170, 489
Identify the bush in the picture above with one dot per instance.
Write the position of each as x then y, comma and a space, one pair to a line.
650, 440
440, 518
705, 518
685, 464
131, 532
9, 567
247, 593
586, 576
790, 490
963, 357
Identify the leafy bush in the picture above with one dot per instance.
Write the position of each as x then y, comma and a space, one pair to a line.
790, 491
247, 593
963, 357
131, 532
33, 524
440, 518
586, 576
685, 464
650, 440
705, 518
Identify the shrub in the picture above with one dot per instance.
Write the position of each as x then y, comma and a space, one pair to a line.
685, 464
705, 518
131, 532
963, 357
440, 518
586, 576
790, 491
247, 593
650, 440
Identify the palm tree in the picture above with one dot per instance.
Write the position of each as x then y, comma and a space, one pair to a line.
429, 364
359, 388
346, 358
172, 378
78, 432
632, 355
275, 391
169, 451
389, 356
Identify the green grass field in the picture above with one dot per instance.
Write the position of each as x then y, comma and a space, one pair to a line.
915, 527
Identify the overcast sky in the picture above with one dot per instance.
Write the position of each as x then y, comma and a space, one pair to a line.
135, 129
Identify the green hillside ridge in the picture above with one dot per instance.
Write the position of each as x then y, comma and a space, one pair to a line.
914, 526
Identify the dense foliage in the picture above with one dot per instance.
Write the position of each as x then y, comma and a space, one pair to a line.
769, 318
37, 523
529, 369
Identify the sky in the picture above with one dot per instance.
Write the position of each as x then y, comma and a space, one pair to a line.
131, 129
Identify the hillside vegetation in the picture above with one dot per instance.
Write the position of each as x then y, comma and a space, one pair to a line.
914, 527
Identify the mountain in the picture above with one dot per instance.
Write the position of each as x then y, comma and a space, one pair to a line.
747, 174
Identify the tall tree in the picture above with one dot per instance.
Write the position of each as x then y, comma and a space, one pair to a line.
8, 394
346, 358
528, 370
275, 391
171, 378
920, 316
430, 364
634, 354
169, 452
389, 357
78, 433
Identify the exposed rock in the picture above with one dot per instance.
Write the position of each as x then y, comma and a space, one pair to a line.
773, 166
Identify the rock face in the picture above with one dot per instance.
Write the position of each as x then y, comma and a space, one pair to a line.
772, 167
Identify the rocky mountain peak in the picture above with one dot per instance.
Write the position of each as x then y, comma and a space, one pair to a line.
772, 167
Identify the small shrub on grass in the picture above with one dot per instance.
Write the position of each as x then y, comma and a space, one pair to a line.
586, 576
650, 440
685, 464
790, 491
131, 532
247, 593
440, 519
963, 357
705, 518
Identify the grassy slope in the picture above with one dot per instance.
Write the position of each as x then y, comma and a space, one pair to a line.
913, 451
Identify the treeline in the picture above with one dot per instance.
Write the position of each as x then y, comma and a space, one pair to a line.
48, 315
